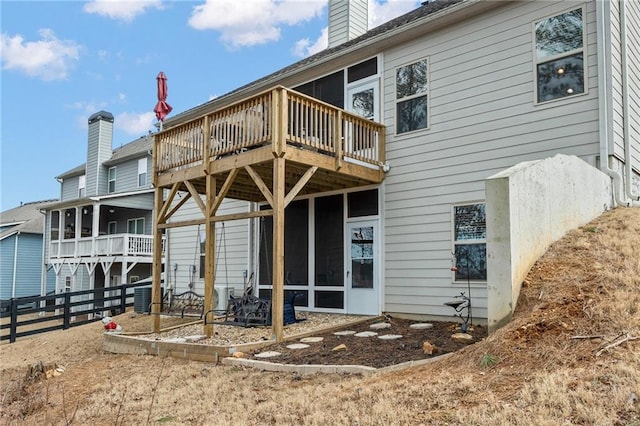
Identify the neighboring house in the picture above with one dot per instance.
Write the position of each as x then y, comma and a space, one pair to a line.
21, 252
377, 215
99, 234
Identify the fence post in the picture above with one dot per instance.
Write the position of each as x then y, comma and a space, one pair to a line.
123, 298
14, 321
66, 320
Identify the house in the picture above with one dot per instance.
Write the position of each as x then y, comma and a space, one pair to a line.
356, 177
99, 234
21, 251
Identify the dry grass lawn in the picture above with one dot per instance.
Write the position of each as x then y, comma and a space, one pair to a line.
571, 355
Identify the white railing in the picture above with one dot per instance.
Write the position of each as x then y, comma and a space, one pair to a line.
104, 245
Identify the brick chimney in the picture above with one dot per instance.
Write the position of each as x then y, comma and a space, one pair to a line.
99, 150
348, 19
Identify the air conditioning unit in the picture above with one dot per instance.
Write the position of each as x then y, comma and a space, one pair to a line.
221, 297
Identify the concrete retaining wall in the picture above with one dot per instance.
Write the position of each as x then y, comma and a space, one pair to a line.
529, 206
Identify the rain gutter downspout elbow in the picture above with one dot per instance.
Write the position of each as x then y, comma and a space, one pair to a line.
606, 134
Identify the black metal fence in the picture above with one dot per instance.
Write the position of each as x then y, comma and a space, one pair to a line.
82, 306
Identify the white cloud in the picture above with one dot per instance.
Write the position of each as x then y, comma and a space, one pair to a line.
122, 10
381, 12
304, 47
48, 58
133, 123
260, 23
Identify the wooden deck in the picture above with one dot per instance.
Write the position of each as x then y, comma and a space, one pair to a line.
269, 148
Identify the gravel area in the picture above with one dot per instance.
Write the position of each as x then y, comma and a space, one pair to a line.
231, 334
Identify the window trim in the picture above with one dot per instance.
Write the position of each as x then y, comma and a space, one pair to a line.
142, 162
427, 94
115, 226
109, 180
583, 49
455, 242
82, 185
136, 219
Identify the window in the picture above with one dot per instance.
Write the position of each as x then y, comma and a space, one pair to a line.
559, 45
411, 97
142, 172
470, 242
112, 228
112, 180
135, 226
82, 183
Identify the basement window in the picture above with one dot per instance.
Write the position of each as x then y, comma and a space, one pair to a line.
470, 242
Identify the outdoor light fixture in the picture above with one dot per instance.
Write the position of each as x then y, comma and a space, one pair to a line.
560, 71
112, 210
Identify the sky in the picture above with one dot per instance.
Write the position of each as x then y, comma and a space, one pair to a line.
62, 61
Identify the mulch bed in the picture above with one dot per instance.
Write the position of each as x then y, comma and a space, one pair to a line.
372, 351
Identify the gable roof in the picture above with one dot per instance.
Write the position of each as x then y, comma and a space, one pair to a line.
426, 15
25, 218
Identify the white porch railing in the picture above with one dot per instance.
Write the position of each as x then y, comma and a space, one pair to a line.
104, 245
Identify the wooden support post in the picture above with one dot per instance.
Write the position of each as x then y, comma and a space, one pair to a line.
339, 140
277, 293
156, 297
209, 256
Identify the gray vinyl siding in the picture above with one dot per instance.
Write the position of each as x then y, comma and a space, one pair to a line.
232, 252
69, 188
633, 50
127, 175
28, 269
98, 151
482, 119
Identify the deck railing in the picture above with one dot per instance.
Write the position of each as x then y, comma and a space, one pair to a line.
104, 245
302, 121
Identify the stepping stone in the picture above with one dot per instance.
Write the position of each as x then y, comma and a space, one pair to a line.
421, 326
196, 338
380, 326
344, 333
366, 334
268, 354
176, 340
297, 346
390, 336
312, 339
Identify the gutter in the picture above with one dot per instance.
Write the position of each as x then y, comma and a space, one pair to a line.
603, 10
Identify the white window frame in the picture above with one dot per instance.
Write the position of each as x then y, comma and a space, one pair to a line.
455, 243
142, 172
82, 185
426, 93
115, 227
111, 180
573, 52
136, 221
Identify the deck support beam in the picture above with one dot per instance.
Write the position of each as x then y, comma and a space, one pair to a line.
209, 256
277, 292
156, 297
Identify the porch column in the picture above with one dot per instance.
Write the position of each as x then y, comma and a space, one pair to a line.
157, 261
209, 256
277, 292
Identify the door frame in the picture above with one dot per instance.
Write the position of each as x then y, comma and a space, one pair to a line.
354, 303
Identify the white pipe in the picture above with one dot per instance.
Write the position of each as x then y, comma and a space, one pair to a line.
625, 104
15, 266
604, 81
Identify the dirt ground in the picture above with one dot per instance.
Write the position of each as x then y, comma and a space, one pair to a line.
373, 351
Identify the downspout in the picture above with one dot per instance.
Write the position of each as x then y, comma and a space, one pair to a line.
606, 135
625, 104
15, 266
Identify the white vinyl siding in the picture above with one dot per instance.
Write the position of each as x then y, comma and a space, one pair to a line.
481, 120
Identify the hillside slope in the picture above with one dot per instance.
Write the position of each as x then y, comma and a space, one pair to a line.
571, 355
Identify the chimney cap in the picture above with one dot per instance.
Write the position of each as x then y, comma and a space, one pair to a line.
101, 115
